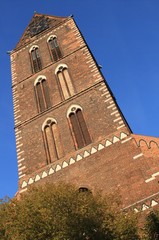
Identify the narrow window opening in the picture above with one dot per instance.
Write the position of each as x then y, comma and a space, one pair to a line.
42, 95
54, 48
36, 60
79, 129
65, 84
52, 140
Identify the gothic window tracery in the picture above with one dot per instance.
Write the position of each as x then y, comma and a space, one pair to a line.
54, 48
80, 133
35, 59
52, 140
42, 94
64, 81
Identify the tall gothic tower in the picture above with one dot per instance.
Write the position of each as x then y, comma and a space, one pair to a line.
68, 125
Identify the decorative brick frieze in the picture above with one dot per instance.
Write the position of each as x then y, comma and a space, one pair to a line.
145, 204
53, 169
138, 156
153, 177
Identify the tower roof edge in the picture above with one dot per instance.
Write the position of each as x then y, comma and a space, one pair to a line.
39, 23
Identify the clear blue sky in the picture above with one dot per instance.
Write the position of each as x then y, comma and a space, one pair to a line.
124, 38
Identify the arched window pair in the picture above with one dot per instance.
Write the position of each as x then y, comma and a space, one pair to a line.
35, 59
35, 53
54, 48
52, 138
65, 85
42, 94
80, 134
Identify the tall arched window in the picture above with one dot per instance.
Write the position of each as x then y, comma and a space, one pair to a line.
64, 81
35, 59
42, 93
78, 127
52, 140
54, 48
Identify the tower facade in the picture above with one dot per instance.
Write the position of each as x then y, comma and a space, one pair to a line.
68, 125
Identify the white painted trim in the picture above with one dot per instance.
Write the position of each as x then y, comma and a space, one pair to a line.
107, 99
22, 176
150, 179
155, 174
45, 122
137, 156
114, 112
33, 47
21, 168
121, 126
62, 65
73, 111
117, 119
21, 160
51, 37
23, 190
128, 139
39, 79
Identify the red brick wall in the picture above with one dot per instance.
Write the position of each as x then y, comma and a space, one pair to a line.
101, 114
128, 164
111, 169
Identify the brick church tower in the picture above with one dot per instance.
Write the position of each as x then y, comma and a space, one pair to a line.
68, 125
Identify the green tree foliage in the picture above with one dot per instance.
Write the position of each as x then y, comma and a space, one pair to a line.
62, 213
152, 226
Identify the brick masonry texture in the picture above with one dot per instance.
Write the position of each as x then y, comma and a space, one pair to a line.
115, 160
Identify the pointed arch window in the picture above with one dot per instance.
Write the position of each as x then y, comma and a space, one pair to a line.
42, 94
54, 48
35, 59
52, 140
78, 127
64, 81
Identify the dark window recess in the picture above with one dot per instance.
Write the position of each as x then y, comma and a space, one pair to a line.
65, 83
36, 61
42, 95
79, 128
55, 49
46, 94
52, 139
83, 127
